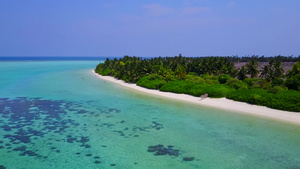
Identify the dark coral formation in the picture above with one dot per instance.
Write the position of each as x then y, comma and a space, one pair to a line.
188, 158
162, 150
24, 120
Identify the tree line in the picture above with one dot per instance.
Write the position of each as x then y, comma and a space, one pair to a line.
216, 76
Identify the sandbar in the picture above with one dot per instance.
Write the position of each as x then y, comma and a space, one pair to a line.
221, 103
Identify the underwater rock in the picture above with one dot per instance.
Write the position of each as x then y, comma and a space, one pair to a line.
82, 112
97, 162
87, 146
6, 128
2, 167
188, 158
162, 150
71, 140
157, 126
84, 139
29, 152
112, 110
22, 148
18, 137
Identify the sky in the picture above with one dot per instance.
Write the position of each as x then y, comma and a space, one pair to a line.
149, 28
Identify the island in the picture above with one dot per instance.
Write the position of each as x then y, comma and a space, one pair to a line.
255, 82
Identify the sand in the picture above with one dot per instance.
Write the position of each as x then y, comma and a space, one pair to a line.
222, 103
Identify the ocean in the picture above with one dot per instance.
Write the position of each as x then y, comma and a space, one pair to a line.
58, 114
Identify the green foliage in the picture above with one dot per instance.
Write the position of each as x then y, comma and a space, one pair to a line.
242, 73
249, 81
180, 72
283, 100
236, 84
198, 90
210, 65
251, 68
212, 75
177, 86
295, 70
192, 73
278, 82
106, 72
257, 83
223, 78
276, 89
152, 81
210, 79
256, 99
293, 82
167, 74
218, 90
272, 71
125, 78
186, 87
195, 79
278, 70
245, 95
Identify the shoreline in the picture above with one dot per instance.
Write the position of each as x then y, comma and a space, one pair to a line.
222, 103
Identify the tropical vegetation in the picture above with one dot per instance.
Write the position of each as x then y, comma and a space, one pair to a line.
216, 76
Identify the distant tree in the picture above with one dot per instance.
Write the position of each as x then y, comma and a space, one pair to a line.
272, 71
223, 78
278, 70
293, 82
251, 68
242, 73
295, 70
180, 72
167, 74
264, 73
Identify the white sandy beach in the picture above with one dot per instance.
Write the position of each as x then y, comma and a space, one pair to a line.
223, 103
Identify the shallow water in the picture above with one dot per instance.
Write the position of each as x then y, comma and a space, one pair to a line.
59, 115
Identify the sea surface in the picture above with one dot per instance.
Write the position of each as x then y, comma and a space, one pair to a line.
58, 114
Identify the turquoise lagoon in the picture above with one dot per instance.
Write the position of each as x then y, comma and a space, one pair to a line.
58, 114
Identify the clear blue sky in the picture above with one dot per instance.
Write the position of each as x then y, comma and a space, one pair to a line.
149, 27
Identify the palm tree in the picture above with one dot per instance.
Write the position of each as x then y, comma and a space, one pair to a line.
242, 73
180, 72
264, 73
278, 70
295, 70
251, 68
272, 71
